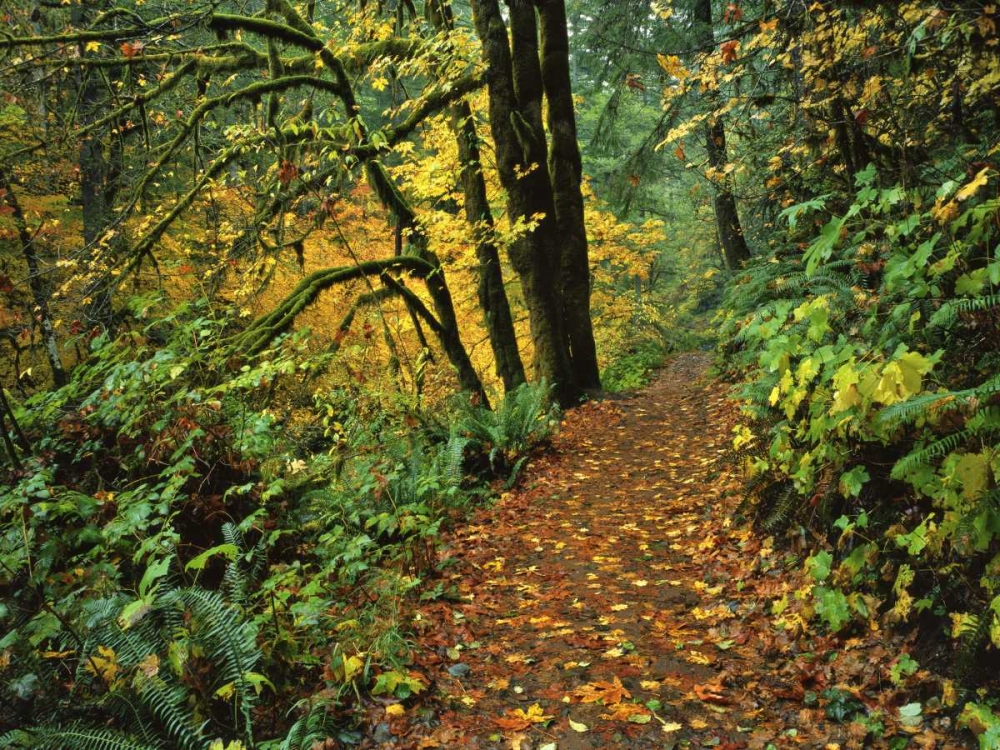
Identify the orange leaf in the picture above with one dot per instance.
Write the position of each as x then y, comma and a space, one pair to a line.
624, 712
729, 50
519, 719
131, 49
711, 692
601, 690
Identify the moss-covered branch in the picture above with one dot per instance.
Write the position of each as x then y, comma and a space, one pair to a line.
266, 28
265, 328
251, 92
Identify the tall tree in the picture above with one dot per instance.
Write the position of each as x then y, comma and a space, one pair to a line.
492, 295
516, 94
734, 244
566, 169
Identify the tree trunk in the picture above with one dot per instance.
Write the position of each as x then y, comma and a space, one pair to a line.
515, 121
566, 168
39, 293
734, 244
93, 178
444, 307
490, 290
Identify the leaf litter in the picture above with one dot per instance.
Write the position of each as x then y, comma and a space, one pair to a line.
611, 601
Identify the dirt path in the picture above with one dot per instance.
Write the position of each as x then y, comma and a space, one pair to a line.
610, 603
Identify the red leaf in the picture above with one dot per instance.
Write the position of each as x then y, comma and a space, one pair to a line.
131, 49
287, 172
729, 50
634, 82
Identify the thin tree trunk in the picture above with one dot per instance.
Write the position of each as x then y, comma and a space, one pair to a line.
490, 290
523, 168
36, 283
566, 169
734, 244
6, 413
444, 307
93, 177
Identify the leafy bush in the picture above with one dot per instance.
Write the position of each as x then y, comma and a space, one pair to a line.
633, 370
861, 379
525, 417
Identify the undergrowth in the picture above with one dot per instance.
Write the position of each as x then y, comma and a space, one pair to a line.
191, 553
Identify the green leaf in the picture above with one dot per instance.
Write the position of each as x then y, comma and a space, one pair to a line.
396, 683
852, 481
154, 572
229, 551
831, 606
819, 566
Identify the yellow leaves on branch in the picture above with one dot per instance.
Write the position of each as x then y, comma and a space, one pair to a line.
673, 66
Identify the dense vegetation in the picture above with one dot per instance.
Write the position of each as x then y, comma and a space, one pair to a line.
286, 289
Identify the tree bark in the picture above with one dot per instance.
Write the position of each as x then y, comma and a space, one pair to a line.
93, 179
36, 283
566, 168
490, 290
734, 244
515, 122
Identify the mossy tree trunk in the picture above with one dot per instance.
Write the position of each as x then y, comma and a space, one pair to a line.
734, 244
566, 168
490, 290
515, 87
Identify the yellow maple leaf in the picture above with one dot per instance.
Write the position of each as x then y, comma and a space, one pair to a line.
92, 46
104, 664
519, 719
972, 188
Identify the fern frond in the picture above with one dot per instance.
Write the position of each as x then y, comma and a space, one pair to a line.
923, 456
951, 309
314, 726
77, 737
168, 703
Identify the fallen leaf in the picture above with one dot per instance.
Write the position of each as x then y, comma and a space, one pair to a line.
606, 692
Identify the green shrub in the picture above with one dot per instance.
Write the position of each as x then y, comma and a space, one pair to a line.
505, 435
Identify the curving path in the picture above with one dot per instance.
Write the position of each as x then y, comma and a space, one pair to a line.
609, 602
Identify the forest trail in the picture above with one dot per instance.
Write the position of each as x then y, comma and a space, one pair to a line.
592, 587
611, 602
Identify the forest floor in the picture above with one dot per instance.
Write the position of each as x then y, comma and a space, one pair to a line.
613, 602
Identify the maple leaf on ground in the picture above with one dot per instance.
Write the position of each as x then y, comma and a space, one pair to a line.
626, 712
601, 690
711, 692
519, 719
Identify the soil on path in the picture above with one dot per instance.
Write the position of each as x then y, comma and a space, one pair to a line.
611, 602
